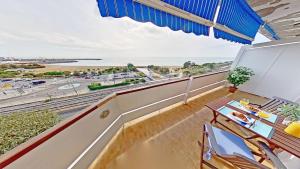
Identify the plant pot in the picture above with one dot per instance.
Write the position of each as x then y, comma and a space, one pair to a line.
232, 89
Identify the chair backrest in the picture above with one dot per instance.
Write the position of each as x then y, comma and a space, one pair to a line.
275, 160
236, 159
244, 163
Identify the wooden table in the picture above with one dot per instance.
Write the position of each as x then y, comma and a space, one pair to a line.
279, 139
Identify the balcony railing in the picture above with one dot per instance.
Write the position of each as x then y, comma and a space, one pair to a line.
76, 142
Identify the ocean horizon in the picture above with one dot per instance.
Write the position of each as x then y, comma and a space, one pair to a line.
140, 61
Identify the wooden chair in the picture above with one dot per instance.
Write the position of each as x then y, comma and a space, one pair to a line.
233, 149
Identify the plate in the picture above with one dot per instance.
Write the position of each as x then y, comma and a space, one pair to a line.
240, 120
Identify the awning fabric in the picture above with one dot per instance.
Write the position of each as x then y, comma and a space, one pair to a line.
233, 14
237, 15
230, 37
203, 8
143, 13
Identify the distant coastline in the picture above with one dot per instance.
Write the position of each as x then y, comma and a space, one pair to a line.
120, 61
144, 61
47, 61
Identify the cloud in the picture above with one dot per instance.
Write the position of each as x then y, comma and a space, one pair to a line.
64, 40
12, 36
63, 29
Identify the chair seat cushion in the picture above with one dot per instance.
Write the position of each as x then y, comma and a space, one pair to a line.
230, 144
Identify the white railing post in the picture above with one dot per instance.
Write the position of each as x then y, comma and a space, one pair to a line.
188, 90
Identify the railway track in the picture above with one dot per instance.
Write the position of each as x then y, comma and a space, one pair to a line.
66, 103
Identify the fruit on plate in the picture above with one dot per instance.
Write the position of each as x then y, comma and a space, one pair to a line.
240, 116
263, 114
251, 108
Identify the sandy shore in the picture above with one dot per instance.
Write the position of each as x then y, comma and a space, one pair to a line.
49, 68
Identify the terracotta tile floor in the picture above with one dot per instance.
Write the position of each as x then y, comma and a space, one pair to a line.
166, 140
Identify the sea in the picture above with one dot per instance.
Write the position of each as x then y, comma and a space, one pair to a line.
143, 61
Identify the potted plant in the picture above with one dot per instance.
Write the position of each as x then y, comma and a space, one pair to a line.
239, 76
290, 112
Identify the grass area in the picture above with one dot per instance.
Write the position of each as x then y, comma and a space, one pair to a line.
98, 86
8, 74
130, 67
57, 73
16, 128
47, 74
190, 68
23, 65
159, 69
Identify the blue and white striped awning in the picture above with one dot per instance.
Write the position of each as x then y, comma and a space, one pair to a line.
236, 21
144, 13
237, 15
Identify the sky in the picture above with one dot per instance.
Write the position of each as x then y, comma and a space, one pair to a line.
75, 29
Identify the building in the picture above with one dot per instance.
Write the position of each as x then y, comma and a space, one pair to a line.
170, 115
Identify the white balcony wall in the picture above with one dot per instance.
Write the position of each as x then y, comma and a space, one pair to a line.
276, 66
61, 150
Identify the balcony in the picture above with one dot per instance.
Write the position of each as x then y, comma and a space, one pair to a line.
171, 134
80, 139
158, 126
164, 119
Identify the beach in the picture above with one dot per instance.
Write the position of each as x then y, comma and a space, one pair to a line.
49, 68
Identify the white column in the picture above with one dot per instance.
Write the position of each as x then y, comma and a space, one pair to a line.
188, 90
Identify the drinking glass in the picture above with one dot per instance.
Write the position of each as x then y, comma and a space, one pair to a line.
244, 102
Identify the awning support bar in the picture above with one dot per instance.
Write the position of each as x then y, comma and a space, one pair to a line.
160, 5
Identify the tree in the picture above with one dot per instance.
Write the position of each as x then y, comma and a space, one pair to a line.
164, 70
209, 65
150, 66
186, 73
188, 64
76, 73
67, 73
131, 67
125, 69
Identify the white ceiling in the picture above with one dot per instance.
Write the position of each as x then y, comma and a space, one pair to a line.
282, 15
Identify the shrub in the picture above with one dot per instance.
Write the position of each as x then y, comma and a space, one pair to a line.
141, 74
239, 75
135, 81
55, 73
16, 128
8, 74
98, 86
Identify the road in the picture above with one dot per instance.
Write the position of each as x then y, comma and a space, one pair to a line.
67, 106
147, 72
51, 89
